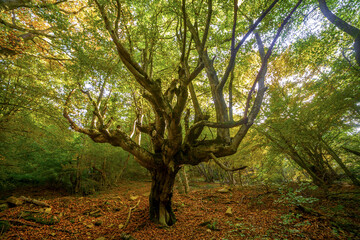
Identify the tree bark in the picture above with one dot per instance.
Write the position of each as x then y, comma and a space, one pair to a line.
163, 180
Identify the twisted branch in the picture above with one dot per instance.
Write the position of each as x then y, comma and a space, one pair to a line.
220, 164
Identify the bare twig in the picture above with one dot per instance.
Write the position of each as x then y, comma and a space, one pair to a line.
129, 215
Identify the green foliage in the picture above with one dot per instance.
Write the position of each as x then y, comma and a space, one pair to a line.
4, 226
41, 218
34, 157
297, 124
290, 218
46, 154
212, 225
240, 228
294, 196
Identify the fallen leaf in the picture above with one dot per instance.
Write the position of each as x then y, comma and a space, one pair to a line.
228, 212
47, 210
134, 197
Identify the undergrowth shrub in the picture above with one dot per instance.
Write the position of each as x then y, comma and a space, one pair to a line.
295, 196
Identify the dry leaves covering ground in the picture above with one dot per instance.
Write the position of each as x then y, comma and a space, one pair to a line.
201, 214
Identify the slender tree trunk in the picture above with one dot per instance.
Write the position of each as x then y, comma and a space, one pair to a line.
320, 177
208, 176
352, 151
311, 170
230, 177
283, 174
343, 26
240, 178
163, 180
341, 164
180, 185
78, 175
103, 178
332, 171
186, 181
119, 175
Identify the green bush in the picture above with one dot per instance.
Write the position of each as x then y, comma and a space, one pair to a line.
294, 197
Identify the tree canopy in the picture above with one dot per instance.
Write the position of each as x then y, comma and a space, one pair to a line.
191, 77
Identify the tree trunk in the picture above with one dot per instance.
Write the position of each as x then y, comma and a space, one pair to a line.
209, 177
343, 26
240, 178
180, 185
163, 180
341, 164
78, 175
122, 170
185, 181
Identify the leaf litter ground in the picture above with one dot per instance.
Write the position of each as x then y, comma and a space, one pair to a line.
202, 214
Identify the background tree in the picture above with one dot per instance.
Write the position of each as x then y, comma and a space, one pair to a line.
307, 126
343, 26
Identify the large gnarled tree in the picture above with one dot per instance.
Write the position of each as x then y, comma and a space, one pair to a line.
175, 137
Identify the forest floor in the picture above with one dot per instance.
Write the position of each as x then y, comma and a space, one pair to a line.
256, 213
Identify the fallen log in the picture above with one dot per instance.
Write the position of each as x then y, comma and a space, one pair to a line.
18, 223
34, 201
